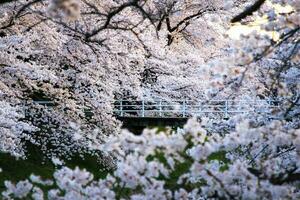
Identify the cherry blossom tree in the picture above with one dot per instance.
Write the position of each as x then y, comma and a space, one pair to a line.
249, 156
81, 55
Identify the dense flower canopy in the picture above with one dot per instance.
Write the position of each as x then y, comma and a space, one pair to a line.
81, 55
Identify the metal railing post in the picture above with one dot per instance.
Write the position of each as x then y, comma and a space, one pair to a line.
226, 108
24, 108
160, 108
270, 101
269, 104
121, 108
183, 109
143, 108
200, 109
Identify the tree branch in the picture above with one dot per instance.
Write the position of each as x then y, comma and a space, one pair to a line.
248, 11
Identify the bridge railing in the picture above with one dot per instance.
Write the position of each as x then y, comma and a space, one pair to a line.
187, 108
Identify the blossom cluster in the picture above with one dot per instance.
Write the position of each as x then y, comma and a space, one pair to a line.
183, 164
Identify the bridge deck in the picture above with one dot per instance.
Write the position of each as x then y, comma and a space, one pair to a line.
152, 121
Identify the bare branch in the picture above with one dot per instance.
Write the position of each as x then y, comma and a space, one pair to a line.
248, 11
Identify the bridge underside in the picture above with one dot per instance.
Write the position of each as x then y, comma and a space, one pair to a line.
137, 124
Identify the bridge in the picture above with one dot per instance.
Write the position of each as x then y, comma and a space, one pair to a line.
188, 108
138, 114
